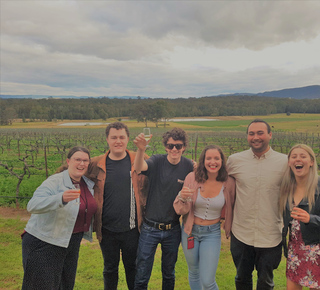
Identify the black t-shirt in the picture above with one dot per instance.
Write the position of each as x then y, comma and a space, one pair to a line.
165, 180
118, 198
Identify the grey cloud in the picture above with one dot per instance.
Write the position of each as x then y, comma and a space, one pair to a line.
125, 30
117, 47
224, 24
94, 77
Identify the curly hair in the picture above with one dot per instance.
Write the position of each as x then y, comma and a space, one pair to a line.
117, 126
177, 134
201, 174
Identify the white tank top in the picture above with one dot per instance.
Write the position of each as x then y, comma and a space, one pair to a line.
209, 208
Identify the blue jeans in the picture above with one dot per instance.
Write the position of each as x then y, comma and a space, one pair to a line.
204, 257
148, 242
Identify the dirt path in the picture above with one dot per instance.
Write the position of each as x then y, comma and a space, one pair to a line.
10, 212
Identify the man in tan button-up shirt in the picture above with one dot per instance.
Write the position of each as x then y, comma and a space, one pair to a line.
256, 227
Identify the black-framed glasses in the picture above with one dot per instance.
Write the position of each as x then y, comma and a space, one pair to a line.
171, 146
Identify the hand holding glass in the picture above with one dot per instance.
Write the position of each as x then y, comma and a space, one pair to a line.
187, 192
77, 186
147, 135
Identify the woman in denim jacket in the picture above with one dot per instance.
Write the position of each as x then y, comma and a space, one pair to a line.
207, 197
300, 203
61, 217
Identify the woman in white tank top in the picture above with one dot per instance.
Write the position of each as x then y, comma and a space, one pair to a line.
207, 197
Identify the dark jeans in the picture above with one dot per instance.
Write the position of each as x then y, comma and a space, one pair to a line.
47, 266
148, 242
111, 245
245, 258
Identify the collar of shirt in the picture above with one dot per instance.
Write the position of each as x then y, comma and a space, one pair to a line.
263, 156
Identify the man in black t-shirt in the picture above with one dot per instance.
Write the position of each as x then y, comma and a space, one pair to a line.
166, 174
119, 199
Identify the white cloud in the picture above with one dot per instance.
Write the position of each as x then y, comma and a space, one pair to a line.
158, 48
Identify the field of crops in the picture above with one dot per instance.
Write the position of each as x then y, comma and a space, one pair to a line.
29, 152
29, 155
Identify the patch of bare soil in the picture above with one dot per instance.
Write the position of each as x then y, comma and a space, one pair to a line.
14, 213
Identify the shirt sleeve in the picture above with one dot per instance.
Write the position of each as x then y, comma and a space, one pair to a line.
151, 164
47, 197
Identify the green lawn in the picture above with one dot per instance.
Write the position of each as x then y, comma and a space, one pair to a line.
280, 122
90, 266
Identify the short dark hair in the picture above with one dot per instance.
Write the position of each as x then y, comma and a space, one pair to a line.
259, 121
77, 149
117, 126
177, 134
201, 174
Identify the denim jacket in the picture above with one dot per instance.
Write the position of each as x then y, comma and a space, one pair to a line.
310, 231
52, 221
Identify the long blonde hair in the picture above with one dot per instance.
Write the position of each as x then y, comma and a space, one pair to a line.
289, 183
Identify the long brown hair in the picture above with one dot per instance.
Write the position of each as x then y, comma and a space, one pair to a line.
289, 183
201, 174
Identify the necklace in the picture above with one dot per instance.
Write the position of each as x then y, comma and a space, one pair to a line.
74, 181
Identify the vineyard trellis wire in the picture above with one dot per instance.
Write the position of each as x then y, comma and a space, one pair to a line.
43, 151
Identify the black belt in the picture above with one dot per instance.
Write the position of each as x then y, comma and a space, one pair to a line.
161, 226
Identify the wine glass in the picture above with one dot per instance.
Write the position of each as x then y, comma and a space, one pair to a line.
191, 190
77, 187
147, 135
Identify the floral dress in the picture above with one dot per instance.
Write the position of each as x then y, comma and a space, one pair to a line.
303, 263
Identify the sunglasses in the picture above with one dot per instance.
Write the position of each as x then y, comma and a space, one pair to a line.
171, 146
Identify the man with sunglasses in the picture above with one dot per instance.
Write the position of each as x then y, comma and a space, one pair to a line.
166, 174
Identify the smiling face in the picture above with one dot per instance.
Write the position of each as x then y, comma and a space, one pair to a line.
174, 154
259, 138
78, 165
212, 161
117, 141
300, 162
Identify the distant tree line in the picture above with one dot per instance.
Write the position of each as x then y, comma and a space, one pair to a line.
153, 110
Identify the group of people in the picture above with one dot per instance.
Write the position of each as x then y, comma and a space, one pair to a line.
134, 203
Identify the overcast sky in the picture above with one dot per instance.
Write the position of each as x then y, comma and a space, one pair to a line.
158, 48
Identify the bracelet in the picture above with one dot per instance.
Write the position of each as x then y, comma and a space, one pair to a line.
181, 198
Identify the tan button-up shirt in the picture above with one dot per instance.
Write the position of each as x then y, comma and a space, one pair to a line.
257, 220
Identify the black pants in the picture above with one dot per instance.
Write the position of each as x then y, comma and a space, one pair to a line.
245, 258
47, 266
111, 245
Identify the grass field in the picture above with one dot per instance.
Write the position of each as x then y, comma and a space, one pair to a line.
89, 273
293, 123
298, 127
306, 123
